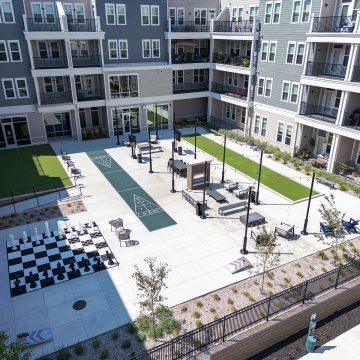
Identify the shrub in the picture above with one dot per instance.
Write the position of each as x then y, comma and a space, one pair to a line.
299, 274
234, 289
78, 349
269, 284
198, 323
132, 355
212, 310
96, 344
230, 301
256, 282
141, 336
270, 275
104, 354
196, 315
168, 323
199, 304
216, 297
232, 308
216, 317
130, 328
343, 186
126, 344
311, 267
307, 169
324, 269
287, 280
184, 309
283, 271
277, 155
285, 157
63, 354
114, 336
321, 254
298, 265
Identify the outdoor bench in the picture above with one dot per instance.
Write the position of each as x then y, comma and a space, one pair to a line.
328, 183
236, 207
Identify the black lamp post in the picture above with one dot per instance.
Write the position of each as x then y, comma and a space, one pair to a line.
117, 127
244, 250
151, 170
259, 177
203, 215
172, 164
156, 115
304, 231
223, 165
195, 138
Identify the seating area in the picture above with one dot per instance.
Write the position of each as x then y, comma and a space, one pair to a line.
180, 167
285, 230
232, 208
74, 171
216, 195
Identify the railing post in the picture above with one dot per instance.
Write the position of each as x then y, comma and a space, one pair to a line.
212, 25
268, 309
223, 330
357, 22
37, 200
312, 22
304, 297
337, 277
25, 23
169, 25
13, 201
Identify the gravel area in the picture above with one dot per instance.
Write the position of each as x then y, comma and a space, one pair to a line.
294, 346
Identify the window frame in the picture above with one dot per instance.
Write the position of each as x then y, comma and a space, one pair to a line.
17, 88
10, 52
302, 12
143, 41
291, 92
282, 90
297, 52
117, 14
148, 15
13, 88
269, 52
257, 127
158, 15
283, 132
123, 41
263, 130
287, 52
109, 49
288, 126
271, 80
152, 48
253, 17
2, 18
271, 12
292, 12
6, 52
106, 13
264, 42
263, 86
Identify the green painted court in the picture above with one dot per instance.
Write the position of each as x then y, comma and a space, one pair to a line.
139, 201
23, 169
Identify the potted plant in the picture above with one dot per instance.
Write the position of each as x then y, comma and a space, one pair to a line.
220, 57
245, 62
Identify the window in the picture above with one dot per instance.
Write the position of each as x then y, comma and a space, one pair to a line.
84, 49
146, 49
290, 53
264, 126
230, 112
268, 87
199, 75
95, 117
305, 15
123, 49
268, 12
110, 14
180, 16
82, 116
48, 84
68, 10
14, 50
9, 89
172, 15
337, 99
280, 132
272, 51
78, 85
79, 13
346, 55
237, 13
358, 158
276, 14
6, 12
42, 47
21, 88
49, 13
296, 11
145, 15
285, 91
121, 14
257, 124
59, 83
36, 12
300, 54
122, 86
288, 134
54, 48
180, 76
294, 92
155, 15
264, 50
301, 11
200, 16
212, 14
3, 52
113, 49
253, 12
260, 90
155, 48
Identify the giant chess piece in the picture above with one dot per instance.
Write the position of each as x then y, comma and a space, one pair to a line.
109, 257
60, 272
32, 280
86, 264
17, 284
72, 267
46, 275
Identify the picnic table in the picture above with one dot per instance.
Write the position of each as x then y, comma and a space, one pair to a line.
180, 167
254, 219
216, 195
236, 207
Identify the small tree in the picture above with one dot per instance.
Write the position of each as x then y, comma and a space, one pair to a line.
12, 350
266, 258
150, 284
333, 218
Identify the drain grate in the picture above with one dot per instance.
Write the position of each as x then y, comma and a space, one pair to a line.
79, 305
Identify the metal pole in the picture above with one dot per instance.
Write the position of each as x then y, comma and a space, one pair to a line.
203, 216
156, 114
151, 170
13, 202
117, 128
195, 138
223, 167
244, 250
259, 177
172, 165
304, 231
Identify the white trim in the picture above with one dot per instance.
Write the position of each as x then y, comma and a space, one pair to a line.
109, 50
117, 14
127, 49
282, 90
292, 12
263, 87
264, 42
13, 88
18, 109
302, 12
262, 125
141, 15
106, 13
142, 43
291, 92
152, 48
271, 12
6, 52
287, 52
272, 81
120, 75
158, 15
292, 134
275, 110
257, 117
2, 12
17, 88
272, 42
296, 53
19, 50
277, 132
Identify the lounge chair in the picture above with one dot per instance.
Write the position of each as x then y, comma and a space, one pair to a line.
285, 230
241, 192
325, 229
231, 186
351, 224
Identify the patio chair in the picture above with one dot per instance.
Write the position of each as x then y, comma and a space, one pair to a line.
325, 229
285, 230
241, 192
351, 224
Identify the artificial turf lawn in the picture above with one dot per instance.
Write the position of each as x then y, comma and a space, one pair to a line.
28, 167
281, 184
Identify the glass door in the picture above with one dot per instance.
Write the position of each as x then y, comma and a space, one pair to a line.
9, 134
126, 118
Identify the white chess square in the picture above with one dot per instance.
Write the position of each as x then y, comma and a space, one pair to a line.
42, 261
53, 265
42, 277
27, 258
49, 240
34, 270
57, 281
85, 237
66, 254
61, 243
90, 248
79, 257
53, 251
83, 272
39, 248
14, 255
28, 245
22, 282
16, 267
29, 289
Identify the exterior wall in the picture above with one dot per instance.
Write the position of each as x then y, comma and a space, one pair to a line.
217, 109
190, 5
240, 3
190, 109
348, 150
134, 32
36, 128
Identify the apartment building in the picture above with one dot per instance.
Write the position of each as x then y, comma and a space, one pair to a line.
283, 71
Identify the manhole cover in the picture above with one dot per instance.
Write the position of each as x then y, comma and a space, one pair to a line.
79, 305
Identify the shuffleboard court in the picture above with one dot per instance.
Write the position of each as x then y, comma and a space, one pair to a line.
141, 203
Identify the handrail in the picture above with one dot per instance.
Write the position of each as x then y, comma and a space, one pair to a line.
328, 114
325, 69
190, 26
342, 24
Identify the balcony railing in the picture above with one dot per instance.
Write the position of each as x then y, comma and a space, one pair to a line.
226, 124
231, 59
352, 120
86, 61
82, 25
190, 87
190, 26
184, 58
40, 24
124, 94
88, 95
356, 74
233, 91
50, 63
55, 97
326, 70
323, 113
244, 26
339, 24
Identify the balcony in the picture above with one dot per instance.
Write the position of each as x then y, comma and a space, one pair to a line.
330, 24
326, 70
231, 59
89, 95
244, 26
327, 114
356, 74
190, 87
190, 26
39, 24
50, 63
352, 120
55, 97
86, 61
86, 25
229, 90
186, 58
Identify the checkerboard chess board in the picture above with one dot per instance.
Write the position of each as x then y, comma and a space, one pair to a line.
85, 250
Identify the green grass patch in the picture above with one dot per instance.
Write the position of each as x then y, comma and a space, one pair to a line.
28, 167
279, 183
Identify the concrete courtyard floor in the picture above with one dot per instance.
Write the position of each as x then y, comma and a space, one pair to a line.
196, 249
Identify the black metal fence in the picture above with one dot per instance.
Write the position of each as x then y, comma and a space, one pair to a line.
323, 113
241, 26
326, 69
190, 26
343, 24
225, 124
187, 345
